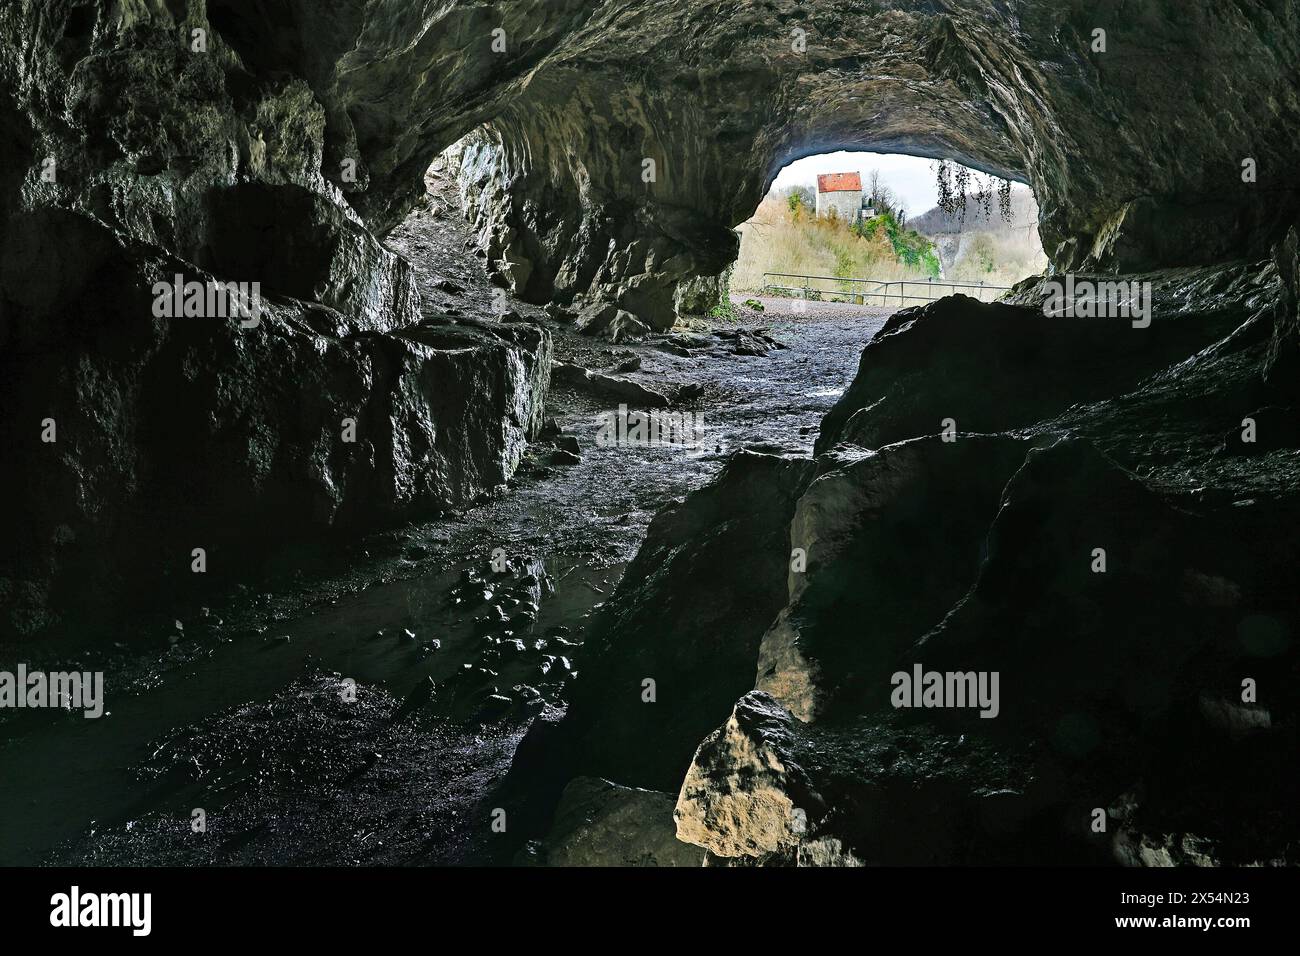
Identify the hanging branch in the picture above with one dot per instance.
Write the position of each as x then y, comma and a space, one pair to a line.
961, 182
949, 199
984, 196
954, 186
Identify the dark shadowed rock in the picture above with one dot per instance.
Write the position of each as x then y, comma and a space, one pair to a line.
891, 539
607, 321
598, 823
176, 434
687, 615
993, 367
609, 386
1130, 618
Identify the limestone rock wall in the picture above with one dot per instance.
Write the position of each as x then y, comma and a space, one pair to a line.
140, 141
1133, 138
905, 543
278, 140
1106, 114
1125, 687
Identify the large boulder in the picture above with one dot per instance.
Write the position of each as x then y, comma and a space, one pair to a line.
891, 540
1070, 639
610, 387
147, 437
1129, 720
991, 367
676, 643
610, 322
767, 787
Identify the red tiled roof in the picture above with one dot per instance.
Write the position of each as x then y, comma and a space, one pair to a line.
839, 183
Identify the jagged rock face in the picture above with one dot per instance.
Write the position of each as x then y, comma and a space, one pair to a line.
173, 434
136, 150
119, 119
1125, 174
848, 523
352, 99
662, 627
1124, 565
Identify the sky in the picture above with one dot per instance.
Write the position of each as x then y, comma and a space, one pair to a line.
911, 179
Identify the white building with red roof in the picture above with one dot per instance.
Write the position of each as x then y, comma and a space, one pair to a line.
840, 193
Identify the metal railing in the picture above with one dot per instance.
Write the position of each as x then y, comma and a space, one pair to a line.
860, 290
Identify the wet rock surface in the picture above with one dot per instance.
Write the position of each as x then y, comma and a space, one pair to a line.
1125, 176
463, 657
598, 823
1128, 582
1134, 584
590, 182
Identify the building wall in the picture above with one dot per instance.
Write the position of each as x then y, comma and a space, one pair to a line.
847, 204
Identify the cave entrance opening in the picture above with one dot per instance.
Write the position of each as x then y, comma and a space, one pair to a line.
878, 229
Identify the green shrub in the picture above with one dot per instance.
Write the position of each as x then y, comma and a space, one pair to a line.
779, 240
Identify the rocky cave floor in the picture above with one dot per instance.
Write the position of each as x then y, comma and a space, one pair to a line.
239, 708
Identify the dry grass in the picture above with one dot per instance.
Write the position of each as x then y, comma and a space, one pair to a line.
999, 258
775, 241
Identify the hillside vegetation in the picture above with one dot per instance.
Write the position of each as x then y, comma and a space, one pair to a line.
976, 245
784, 235
980, 245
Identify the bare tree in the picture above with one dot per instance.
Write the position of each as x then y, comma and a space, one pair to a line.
879, 196
806, 196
